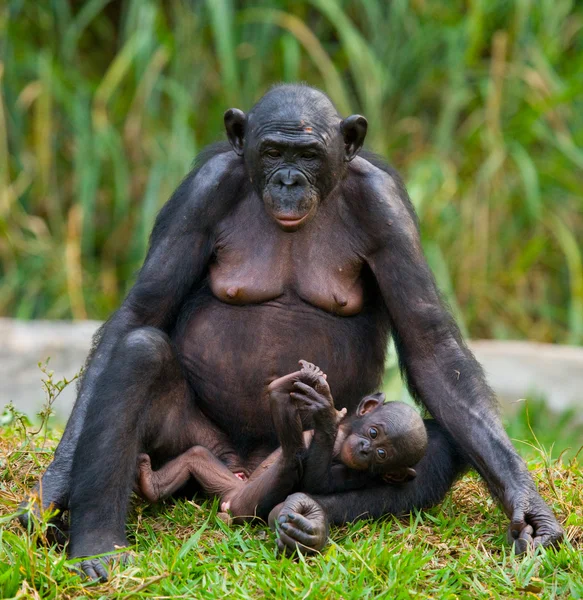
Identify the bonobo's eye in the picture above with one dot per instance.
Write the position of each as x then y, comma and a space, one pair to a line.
309, 155
373, 432
273, 153
381, 453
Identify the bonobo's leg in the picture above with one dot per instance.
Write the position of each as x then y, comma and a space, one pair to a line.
280, 472
198, 463
53, 489
142, 397
240, 497
436, 472
271, 481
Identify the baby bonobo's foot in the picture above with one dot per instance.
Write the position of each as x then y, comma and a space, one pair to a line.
146, 485
312, 395
312, 375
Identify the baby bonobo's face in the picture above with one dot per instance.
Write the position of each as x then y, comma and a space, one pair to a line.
385, 439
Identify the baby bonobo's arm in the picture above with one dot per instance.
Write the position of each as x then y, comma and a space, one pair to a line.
312, 395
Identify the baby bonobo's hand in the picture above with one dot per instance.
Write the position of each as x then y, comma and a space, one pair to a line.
312, 394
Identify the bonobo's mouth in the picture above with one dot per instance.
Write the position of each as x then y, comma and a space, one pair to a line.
291, 222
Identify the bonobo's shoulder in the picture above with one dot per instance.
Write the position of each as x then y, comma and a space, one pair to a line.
215, 166
382, 185
209, 189
379, 196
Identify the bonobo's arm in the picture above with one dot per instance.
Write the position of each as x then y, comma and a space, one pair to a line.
180, 248
440, 369
317, 402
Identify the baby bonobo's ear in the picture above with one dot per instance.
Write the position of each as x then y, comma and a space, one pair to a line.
400, 475
370, 403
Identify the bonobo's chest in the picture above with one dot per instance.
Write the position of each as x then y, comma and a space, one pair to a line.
256, 262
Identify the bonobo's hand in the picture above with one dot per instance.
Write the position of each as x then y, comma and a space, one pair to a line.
30, 515
300, 523
532, 521
315, 401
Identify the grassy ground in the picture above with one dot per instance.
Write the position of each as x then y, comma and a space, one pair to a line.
181, 549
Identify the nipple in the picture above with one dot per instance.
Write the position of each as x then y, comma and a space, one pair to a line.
340, 300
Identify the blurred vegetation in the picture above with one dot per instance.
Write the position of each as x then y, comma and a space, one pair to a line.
479, 104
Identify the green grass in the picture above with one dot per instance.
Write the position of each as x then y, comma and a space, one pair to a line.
103, 106
181, 549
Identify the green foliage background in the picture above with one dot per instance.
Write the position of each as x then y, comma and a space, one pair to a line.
479, 103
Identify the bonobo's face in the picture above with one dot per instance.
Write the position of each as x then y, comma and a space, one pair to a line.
295, 147
385, 438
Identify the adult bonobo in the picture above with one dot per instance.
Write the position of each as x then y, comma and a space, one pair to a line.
285, 245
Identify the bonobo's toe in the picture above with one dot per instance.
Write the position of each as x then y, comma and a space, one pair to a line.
97, 569
93, 569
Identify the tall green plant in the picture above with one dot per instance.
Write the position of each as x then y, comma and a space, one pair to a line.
103, 106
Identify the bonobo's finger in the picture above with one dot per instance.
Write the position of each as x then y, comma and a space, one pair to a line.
303, 537
308, 390
517, 523
273, 516
301, 522
521, 545
548, 539
303, 400
289, 545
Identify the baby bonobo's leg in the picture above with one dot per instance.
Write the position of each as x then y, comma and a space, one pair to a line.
313, 376
278, 475
198, 462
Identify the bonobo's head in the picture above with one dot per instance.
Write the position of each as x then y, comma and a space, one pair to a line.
386, 439
295, 147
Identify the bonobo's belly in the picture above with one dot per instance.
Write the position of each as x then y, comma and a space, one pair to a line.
232, 353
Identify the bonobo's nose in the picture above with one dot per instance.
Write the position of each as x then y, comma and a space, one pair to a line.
287, 177
364, 447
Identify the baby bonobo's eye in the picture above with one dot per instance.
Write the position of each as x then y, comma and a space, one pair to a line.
373, 432
382, 454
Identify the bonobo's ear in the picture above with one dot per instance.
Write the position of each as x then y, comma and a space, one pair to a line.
353, 130
370, 403
235, 125
400, 476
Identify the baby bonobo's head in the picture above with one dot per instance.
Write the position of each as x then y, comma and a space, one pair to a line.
386, 439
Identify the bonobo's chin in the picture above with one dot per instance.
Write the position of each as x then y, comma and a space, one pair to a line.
288, 218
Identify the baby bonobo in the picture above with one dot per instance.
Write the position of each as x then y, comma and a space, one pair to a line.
380, 440
343, 452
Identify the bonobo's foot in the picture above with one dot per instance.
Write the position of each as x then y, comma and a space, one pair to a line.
299, 523
97, 569
310, 373
146, 480
51, 493
532, 521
